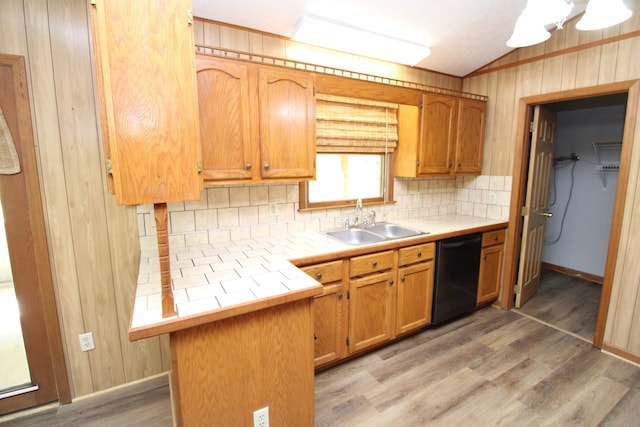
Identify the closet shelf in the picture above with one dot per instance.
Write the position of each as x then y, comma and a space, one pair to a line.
606, 167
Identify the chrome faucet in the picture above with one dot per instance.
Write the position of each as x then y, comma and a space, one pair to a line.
358, 212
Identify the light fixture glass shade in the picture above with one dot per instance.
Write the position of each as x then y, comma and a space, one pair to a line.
602, 14
527, 32
340, 37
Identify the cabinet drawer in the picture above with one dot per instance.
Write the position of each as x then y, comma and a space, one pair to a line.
371, 263
325, 273
493, 237
417, 253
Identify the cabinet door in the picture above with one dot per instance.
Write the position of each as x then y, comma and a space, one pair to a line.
225, 119
329, 328
370, 311
327, 332
147, 92
287, 123
490, 273
469, 137
415, 291
437, 134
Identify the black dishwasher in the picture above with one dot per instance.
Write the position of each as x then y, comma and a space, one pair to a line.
456, 277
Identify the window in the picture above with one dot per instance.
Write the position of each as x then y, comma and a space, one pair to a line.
354, 140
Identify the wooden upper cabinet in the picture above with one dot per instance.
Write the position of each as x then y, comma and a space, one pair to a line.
469, 137
145, 68
256, 122
444, 137
437, 134
225, 118
287, 123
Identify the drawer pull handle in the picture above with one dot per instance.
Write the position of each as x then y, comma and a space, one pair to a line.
374, 263
419, 254
319, 275
267, 165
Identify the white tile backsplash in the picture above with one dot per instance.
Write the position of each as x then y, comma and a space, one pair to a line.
232, 213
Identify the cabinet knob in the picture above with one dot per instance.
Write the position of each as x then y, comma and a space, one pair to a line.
450, 164
315, 337
267, 165
391, 282
495, 239
340, 295
319, 275
484, 257
248, 166
459, 164
402, 279
419, 254
374, 263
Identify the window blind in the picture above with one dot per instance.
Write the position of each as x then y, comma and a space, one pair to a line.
354, 125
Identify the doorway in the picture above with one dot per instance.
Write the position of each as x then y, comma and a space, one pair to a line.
520, 178
579, 203
28, 253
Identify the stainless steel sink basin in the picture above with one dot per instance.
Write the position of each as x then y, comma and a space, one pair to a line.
393, 231
376, 233
356, 236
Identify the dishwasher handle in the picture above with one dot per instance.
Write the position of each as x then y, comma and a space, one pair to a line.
456, 244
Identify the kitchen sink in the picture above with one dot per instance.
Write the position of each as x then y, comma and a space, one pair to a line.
355, 236
372, 234
393, 231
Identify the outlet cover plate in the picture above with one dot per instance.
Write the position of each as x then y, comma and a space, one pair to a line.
86, 341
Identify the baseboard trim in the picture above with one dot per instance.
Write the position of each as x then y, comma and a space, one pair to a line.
573, 273
622, 353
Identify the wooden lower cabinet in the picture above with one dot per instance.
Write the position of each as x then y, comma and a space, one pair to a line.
415, 287
370, 299
491, 258
370, 310
328, 319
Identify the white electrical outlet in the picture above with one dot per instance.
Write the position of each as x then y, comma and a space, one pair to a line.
273, 209
261, 417
86, 341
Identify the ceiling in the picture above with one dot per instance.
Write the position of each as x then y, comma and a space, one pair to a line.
464, 35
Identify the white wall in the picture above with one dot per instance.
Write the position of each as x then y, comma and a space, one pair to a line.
585, 235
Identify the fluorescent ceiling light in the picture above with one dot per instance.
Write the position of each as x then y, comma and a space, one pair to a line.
340, 37
602, 14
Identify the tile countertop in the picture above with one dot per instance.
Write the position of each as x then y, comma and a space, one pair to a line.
225, 279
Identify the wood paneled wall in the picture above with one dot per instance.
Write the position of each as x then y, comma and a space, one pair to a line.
573, 59
93, 243
233, 38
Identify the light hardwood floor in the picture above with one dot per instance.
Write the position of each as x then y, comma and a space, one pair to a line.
566, 302
490, 368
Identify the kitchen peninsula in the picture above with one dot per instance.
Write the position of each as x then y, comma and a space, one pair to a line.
244, 322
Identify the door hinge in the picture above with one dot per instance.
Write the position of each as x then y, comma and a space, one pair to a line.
348, 293
530, 126
347, 341
199, 165
525, 210
93, 2
189, 16
517, 288
109, 166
